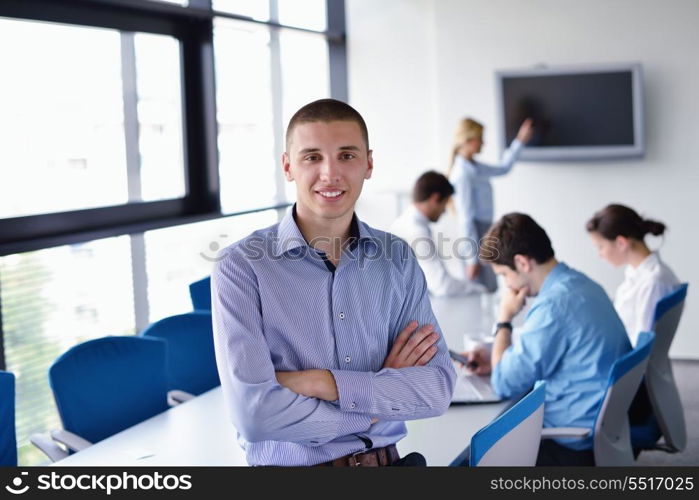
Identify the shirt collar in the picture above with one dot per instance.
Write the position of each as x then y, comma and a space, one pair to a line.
554, 275
289, 236
419, 216
646, 265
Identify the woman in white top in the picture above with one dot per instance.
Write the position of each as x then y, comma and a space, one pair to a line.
473, 197
618, 232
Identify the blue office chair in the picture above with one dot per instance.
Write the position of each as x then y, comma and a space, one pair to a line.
200, 292
611, 435
191, 357
106, 385
513, 438
667, 419
8, 440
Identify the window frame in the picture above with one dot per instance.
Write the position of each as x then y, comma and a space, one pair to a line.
192, 26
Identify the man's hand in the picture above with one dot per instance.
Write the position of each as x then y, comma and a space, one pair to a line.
318, 384
472, 271
413, 347
512, 303
481, 358
526, 130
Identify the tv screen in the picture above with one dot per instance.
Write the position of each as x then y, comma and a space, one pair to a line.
578, 113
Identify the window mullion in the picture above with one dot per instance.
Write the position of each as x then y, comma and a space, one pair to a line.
337, 49
140, 281
131, 127
277, 104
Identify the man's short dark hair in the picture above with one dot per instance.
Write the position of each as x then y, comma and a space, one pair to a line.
429, 183
327, 110
515, 234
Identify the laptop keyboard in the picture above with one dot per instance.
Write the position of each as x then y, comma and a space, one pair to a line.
473, 388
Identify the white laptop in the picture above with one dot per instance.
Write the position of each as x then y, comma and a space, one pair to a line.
472, 388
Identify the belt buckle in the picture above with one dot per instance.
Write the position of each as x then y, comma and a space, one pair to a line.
352, 460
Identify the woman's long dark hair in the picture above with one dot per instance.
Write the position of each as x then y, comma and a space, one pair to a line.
619, 220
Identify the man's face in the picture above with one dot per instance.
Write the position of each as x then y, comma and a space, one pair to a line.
329, 163
437, 207
515, 280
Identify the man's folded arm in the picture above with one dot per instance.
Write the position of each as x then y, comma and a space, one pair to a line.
398, 393
261, 409
403, 393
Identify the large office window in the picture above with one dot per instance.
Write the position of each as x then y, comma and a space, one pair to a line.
90, 117
309, 14
178, 256
136, 141
51, 300
245, 116
263, 75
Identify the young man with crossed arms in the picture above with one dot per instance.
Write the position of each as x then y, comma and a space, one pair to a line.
325, 339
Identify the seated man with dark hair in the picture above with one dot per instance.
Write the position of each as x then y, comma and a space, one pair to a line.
570, 338
431, 193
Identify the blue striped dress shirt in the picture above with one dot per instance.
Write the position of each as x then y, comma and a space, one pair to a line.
277, 306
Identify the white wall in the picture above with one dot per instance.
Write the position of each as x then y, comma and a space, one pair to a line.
455, 47
392, 75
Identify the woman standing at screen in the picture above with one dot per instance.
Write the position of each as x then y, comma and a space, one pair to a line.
618, 232
473, 196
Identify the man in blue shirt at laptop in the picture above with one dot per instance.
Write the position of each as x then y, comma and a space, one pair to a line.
324, 334
570, 338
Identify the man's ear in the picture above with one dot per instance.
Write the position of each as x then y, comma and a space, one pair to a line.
370, 163
522, 264
435, 198
286, 166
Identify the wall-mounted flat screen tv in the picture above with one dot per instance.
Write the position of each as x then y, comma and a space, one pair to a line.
579, 113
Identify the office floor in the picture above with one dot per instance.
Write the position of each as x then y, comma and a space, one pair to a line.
686, 375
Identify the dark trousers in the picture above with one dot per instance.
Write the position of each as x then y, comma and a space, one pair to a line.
552, 454
411, 460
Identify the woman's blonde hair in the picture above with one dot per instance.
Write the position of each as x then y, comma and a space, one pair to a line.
468, 129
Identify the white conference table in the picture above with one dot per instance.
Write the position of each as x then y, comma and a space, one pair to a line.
459, 316
199, 433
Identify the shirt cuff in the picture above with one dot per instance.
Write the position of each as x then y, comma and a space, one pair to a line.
355, 390
352, 423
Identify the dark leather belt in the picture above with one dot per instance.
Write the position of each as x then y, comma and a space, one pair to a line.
378, 457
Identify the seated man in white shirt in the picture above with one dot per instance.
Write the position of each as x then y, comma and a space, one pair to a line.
431, 193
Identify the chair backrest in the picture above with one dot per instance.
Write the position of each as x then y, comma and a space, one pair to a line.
8, 440
191, 358
660, 381
513, 438
200, 292
611, 438
106, 385
667, 316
